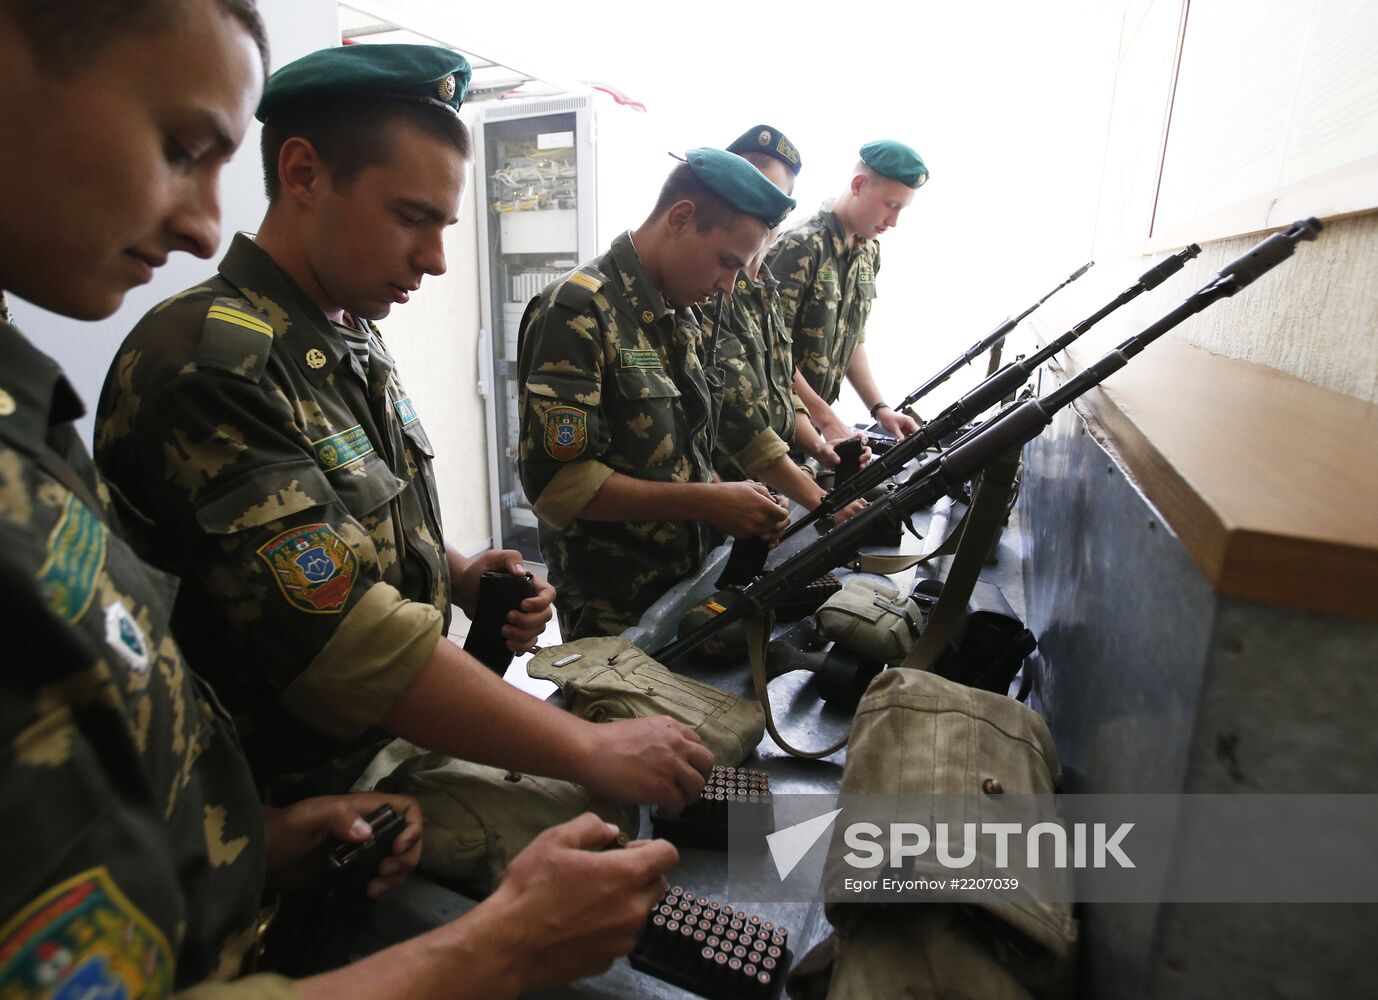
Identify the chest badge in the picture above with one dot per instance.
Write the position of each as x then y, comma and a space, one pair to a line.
406, 412
315, 358
6, 403
125, 637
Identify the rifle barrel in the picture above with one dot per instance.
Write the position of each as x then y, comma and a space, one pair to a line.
987, 342
995, 388
1013, 428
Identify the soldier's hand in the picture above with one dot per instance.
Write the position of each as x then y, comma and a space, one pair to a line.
832, 461
865, 456
826, 456
565, 909
746, 510
851, 510
655, 761
294, 837
524, 626
899, 424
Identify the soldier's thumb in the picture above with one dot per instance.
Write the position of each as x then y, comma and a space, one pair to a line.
348, 824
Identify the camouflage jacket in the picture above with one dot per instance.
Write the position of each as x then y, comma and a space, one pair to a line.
294, 497
826, 290
133, 836
611, 381
756, 426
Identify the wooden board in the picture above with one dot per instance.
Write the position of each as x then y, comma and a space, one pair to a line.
1270, 482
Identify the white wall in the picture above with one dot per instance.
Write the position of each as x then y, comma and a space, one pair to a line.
1315, 316
85, 350
1006, 101
434, 339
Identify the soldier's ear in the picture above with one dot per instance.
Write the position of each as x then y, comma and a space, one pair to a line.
302, 173
681, 216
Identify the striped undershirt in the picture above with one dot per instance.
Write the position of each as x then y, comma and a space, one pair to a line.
357, 341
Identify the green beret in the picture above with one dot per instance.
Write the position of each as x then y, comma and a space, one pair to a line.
406, 72
769, 142
740, 184
896, 161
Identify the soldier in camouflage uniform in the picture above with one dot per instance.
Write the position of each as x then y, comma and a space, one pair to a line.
616, 446
827, 271
259, 422
758, 422
136, 847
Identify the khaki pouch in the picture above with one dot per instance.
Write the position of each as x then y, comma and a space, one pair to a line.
869, 617
606, 678
917, 734
478, 818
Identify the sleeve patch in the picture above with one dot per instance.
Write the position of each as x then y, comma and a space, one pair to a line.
83, 938
566, 432
313, 566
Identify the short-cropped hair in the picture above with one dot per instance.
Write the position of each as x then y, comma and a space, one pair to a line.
710, 210
351, 135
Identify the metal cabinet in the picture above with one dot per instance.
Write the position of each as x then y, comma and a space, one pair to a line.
547, 169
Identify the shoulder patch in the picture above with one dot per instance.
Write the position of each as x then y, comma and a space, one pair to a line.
235, 338
566, 432
579, 286
84, 938
314, 567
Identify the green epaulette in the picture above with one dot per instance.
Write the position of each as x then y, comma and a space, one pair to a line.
235, 338
579, 286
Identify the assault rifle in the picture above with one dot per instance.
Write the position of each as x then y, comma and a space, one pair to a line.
1003, 383
1011, 429
749, 554
985, 343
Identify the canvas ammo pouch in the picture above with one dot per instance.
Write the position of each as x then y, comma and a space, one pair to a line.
478, 818
869, 617
918, 734
606, 678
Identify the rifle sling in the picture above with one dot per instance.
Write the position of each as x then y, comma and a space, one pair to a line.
885, 565
757, 635
971, 540
982, 524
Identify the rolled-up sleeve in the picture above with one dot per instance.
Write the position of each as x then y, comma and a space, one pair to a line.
263, 986
375, 653
764, 449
